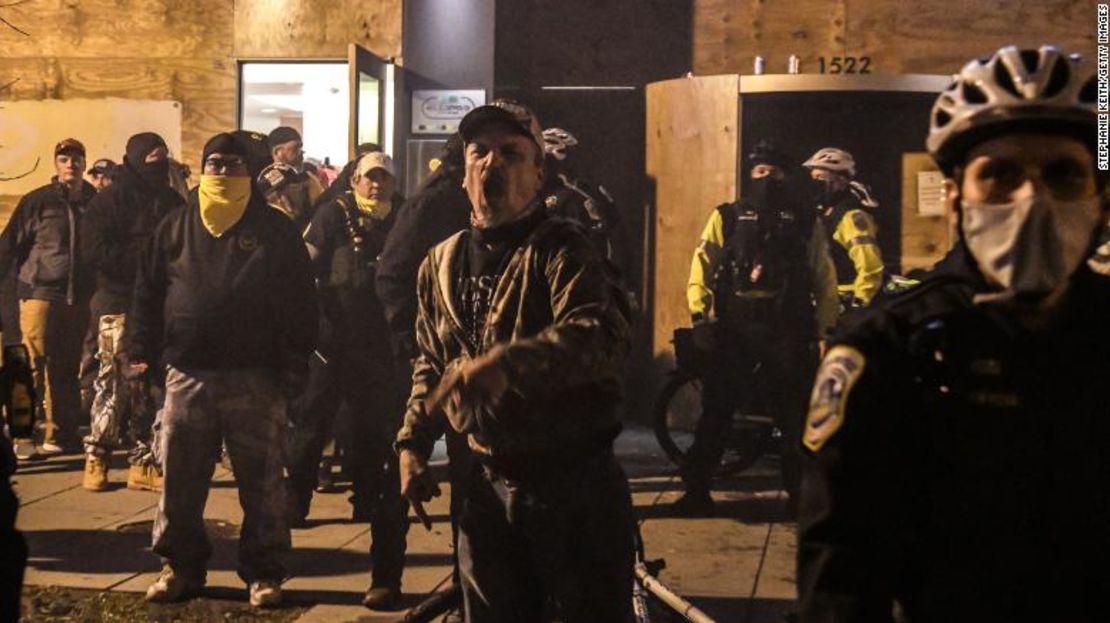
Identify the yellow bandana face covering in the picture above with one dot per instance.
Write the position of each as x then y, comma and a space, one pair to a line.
223, 200
373, 208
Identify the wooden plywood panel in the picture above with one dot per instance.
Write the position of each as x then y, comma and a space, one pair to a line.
935, 37
204, 87
691, 161
925, 239
942, 35
728, 35
30, 129
313, 29
118, 28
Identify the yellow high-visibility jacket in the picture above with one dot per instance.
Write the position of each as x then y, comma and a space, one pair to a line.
710, 255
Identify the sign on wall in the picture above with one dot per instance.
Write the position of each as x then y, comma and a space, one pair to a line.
29, 129
439, 111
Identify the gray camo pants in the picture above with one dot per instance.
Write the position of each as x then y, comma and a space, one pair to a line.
122, 410
245, 409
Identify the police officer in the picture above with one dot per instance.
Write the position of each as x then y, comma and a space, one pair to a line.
845, 206
956, 436
354, 365
759, 265
569, 195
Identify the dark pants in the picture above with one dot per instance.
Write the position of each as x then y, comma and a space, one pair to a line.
787, 368
365, 381
562, 546
13, 551
460, 465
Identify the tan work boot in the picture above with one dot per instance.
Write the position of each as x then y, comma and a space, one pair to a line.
96, 473
144, 478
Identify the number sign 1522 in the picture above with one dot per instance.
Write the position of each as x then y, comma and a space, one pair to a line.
845, 64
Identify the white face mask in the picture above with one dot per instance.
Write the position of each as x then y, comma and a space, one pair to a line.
1030, 248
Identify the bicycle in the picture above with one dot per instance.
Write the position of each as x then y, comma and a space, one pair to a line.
678, 408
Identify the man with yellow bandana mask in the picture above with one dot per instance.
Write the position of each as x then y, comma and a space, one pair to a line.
224, 303
355, 367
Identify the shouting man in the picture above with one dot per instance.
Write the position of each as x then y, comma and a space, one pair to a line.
522, 337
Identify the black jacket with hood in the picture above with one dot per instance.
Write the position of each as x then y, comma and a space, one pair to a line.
116, 228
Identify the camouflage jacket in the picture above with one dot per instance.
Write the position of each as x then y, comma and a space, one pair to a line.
564, 324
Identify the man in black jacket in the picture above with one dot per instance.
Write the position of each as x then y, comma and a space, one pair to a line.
117, 227
957, 433
40, 243
224, 299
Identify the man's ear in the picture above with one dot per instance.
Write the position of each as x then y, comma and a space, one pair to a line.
952, 199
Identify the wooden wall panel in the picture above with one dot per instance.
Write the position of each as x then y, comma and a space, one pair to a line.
925, 239
118, 28
691, 162
728, 35
940, 36
205, 88
901, 37
314, 29
175, 49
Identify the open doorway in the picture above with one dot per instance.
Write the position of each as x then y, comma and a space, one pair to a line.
311, 96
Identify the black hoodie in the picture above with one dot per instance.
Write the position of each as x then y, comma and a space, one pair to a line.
117, 226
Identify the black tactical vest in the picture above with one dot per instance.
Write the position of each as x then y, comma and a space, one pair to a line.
765, 252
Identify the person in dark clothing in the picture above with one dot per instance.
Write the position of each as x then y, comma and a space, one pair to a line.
40, 243
570, 195
101, 174
762, 294
354, 366
957, 468
439, 210
13, 546
224, 300
522, 337
284, 189
343, 179
116, 229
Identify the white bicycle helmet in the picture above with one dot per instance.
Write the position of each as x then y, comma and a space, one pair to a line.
556, 141
832, 159
1041, 89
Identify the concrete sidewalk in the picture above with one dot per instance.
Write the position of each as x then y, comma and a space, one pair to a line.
738, 566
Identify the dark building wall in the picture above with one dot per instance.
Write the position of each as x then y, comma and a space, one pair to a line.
448, 44
605, 43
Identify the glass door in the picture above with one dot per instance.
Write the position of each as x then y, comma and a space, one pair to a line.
372, 93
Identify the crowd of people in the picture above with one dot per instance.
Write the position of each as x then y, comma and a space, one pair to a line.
943, 445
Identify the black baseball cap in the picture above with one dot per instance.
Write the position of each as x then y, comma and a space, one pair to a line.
69, 146
103, 166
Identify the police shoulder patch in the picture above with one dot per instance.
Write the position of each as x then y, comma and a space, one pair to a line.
860, 220
839, 371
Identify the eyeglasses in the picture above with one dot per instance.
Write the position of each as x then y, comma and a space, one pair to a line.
223, 164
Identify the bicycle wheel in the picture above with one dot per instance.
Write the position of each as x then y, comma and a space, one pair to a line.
675, 417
